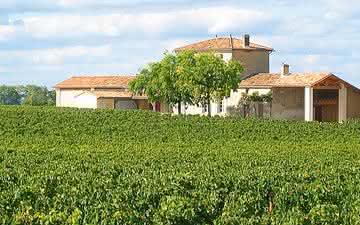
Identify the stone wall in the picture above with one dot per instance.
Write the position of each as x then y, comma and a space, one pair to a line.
353, 103
288, 103
253, 61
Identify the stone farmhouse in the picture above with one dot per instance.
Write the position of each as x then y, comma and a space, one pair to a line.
295, 96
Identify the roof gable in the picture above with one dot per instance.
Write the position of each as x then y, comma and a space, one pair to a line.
222, 44
96, 82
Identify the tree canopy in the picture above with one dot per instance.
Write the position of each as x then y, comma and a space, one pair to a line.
37, 96
26, 95
163, 81
188, 77
9, 96
213, 79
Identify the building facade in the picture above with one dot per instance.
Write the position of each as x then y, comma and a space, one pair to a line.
320, 97
307, 96
255, 58
102, 92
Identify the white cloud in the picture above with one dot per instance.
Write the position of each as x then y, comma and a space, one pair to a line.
3, 69
211, 20
311, 36
223, 19
56, 56
311, 59
344, 8
7, 32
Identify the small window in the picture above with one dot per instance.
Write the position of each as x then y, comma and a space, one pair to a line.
221, 106
204, 109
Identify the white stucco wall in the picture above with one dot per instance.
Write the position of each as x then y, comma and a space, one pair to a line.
227, 56
66, 98
196, 110
86, 101
191, 110
75, 98
228, 103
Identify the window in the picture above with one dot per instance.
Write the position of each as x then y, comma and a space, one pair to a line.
204, 108
221, 106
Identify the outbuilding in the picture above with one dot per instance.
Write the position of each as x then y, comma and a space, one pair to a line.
102, 92
307, 96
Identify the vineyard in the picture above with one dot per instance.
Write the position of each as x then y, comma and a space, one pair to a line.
69, 166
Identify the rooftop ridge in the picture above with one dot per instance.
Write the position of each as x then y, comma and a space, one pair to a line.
100, 76
96, 81
227, 42
306, 73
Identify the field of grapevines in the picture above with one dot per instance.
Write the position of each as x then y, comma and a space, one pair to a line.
69, 166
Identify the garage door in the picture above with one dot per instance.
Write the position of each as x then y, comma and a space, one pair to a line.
125, 104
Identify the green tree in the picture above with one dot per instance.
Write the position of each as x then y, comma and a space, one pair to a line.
34, 95
163, 81
188, 78
52, 98
212, 79
146, 82
256, 97
9, 96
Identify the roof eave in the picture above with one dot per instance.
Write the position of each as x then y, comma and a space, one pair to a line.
79, 87
330, 75
271, 86
223, 49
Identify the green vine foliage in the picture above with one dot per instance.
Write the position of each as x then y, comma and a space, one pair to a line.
256, 97
70, 166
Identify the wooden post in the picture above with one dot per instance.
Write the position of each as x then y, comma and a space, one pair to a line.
342, 103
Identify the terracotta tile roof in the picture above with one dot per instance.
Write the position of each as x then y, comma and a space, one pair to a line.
222, 44
291, 80
96, 82
114, 94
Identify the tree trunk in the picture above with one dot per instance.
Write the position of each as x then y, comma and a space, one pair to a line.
179, 108
209, 107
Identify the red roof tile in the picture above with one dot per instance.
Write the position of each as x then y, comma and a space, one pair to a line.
222, 44
276, 80
96, 82
269, 80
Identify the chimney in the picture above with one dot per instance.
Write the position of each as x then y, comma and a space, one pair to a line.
246, 40
285, 69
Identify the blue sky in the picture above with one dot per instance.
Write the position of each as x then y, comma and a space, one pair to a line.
46, 41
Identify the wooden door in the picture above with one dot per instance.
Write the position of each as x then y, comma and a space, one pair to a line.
318, 113
158, 107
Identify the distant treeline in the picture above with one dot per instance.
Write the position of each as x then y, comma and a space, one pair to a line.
26, 95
